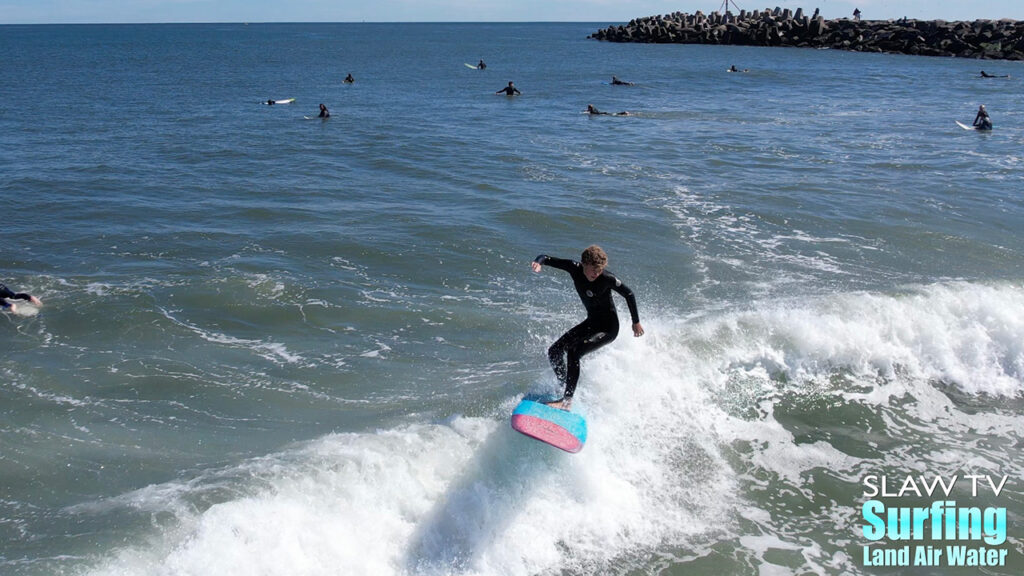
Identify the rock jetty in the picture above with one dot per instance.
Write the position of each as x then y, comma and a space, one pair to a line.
988, 39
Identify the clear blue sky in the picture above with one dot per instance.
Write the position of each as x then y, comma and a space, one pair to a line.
603, 11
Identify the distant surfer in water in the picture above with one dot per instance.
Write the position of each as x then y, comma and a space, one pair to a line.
509, 90
617, 82
595, 112
6, 293
594, 285
982, 120
349, 79
271, 102
324, 112
480, 65
987, 75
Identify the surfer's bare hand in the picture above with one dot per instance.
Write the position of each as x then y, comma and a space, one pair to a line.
535, 266
638, 330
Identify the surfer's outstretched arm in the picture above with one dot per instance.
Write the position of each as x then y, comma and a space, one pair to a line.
545, 260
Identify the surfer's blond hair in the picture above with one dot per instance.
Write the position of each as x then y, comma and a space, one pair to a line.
594, 256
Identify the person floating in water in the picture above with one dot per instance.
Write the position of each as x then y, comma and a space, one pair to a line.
324, 112
271, 102
594, 285
617, 82
6, 293
509, 90
481, 65
982, 120
594, 111
987, 75
349, 79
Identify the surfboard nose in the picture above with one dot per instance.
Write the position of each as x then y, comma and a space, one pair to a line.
559, 428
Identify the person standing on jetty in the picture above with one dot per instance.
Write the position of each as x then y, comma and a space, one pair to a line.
982, 120
594, 285
856, 14
6, 293
509, 90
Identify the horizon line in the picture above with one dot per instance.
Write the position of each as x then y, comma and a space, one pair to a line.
246, 23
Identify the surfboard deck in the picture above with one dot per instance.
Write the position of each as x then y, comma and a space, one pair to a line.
23, 309
285, 101
964, 126
468, 65
562, 429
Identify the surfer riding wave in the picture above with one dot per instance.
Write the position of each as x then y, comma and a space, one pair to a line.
594, 285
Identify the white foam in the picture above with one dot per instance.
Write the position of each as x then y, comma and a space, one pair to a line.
469, 496
274, 351
963, 334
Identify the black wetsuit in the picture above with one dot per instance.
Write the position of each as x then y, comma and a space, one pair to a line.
5, 293
509, 91
982, 121
601, 326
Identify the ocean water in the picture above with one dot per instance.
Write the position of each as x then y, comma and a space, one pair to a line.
280, 346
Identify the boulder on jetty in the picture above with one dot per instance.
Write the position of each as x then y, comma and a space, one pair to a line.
988, 39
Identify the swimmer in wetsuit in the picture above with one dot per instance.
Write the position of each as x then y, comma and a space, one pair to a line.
509, 90
324, 113
601, 326
6, 293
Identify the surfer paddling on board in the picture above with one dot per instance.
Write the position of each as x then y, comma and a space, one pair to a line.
595, 112
6, 293
981, 119
594, 285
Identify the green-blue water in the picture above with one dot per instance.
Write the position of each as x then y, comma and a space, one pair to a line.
273, 345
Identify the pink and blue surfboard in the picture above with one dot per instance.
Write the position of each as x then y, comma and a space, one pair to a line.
559, 428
